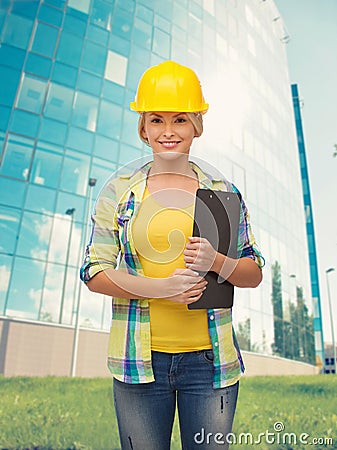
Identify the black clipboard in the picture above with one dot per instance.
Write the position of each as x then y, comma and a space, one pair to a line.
217, 218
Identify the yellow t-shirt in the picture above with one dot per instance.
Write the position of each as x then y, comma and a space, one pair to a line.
160, 235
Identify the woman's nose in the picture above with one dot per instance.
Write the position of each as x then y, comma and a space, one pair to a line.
168, 132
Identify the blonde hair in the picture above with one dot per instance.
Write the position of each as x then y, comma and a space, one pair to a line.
195, 118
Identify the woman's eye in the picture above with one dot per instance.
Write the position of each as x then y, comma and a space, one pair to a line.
181, 120
155, 120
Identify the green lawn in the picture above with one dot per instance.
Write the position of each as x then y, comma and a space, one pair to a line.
65, 413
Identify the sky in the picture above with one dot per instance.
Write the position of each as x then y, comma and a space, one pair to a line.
312, 60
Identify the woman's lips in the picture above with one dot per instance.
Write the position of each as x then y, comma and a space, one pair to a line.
169, 144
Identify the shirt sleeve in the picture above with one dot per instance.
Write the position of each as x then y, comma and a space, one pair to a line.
103, 248
247, 246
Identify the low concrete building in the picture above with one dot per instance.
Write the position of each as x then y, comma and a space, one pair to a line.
32, 348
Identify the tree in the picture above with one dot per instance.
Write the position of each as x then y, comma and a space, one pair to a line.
276, 295
45, 316
243, 334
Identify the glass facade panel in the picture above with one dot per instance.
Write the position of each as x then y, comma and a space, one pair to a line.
106, 148
142, 33
53, 131
121, 46
40, 199
50, 15
113, 92
38, 65
9, 226
89, 83
45, 40
122, 24
101, 170
4, 117
94, 58
130, 121
64, 74
25, 286
161, 43
74, 25
5, 273
144, 13
17, 157
46, 166
17, 31
116, 66
9, 83
66, 200
11, 56
34, 236
31, 94
85, 111
80, 5
26, 9
11, 192
59, 102
128, 153
24, 123
52, 292
109, 120
80, 139
75, 172
101, 14
69, 49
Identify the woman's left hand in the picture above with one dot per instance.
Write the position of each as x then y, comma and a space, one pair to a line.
199, 254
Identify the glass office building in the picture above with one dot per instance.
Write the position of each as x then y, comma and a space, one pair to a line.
68, 70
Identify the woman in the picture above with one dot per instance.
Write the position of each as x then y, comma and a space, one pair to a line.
161, 353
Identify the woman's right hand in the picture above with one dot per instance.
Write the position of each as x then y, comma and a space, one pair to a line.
184, 286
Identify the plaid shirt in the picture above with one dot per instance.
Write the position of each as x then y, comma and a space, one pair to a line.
111, 245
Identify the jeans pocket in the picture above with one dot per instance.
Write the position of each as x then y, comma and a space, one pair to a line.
208, 356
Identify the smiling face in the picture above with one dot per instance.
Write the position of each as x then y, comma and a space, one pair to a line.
168, 132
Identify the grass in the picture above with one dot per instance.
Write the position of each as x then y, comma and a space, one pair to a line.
76, 413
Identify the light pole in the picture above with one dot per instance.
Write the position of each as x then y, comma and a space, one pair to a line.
84, 238
69, 212
331, 269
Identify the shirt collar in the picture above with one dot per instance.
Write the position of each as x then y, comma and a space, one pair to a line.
140, 175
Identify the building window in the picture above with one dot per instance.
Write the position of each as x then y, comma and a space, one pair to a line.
32, 94
94, 58
9, 83
85, 111
101, 14
18, 30
59, 102
47, 165
109, 120
17, 157
80, 5
45, 40
161, 43
115, 69
9, 225
75, 173
69, 49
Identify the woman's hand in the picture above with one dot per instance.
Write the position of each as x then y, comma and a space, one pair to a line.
199, 254
184, 286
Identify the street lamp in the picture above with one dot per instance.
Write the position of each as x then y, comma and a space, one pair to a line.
84, 238
69, 212
331, 269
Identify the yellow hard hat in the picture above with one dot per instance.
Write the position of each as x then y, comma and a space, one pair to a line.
169, 86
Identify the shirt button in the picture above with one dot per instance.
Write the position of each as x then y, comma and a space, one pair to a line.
216, 344
211, 317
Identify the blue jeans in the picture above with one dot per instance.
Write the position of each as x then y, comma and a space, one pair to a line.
145, 412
